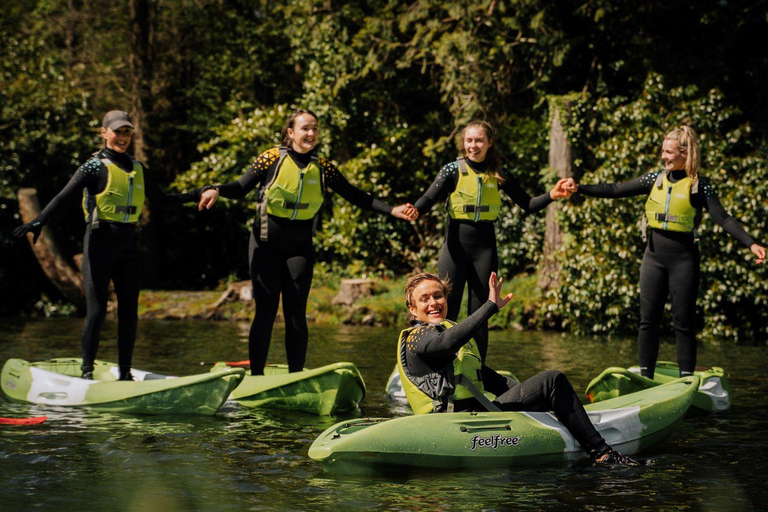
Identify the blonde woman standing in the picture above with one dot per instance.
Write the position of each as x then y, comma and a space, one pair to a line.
671, 263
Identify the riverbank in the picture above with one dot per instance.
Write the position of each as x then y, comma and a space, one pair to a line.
384, 307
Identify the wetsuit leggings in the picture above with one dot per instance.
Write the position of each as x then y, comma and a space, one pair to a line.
468, 256
551, 391
110, 252
670, 268
282, 264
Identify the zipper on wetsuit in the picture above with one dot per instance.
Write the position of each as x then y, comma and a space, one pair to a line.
666, 207
298, 198
479, 199
130, 198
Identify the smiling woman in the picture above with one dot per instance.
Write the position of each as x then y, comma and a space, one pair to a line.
114, 185
442, 371
471, 187
671, 263
293, 183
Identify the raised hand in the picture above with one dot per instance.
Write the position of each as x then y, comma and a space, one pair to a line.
494, 296
208, 198
33, 227
759, 251
405, 211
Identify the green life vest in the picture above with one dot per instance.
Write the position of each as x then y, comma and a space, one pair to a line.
292, 193
122, 198
426, 393
476, 196
669, 205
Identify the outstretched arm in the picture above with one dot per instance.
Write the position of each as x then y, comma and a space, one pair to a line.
638, 186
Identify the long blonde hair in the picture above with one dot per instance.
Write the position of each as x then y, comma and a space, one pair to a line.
686, 143
492, 158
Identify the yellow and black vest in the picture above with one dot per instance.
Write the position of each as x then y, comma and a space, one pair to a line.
122, 198
476, 196
434, 391
292, 193
669, 205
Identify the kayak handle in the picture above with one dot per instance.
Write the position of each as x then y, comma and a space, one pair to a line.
492, 427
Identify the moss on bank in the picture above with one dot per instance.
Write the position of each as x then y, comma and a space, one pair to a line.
384, 308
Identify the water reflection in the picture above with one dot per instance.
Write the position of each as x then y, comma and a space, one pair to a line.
256, 459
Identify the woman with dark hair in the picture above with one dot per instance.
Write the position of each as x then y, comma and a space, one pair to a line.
671, 262
441, 369
113, 185
471, 185
293, 183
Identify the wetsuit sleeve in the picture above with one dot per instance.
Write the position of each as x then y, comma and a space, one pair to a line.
521, 197
160, 199
721, 216
339, 184
444, 184
638, 186
87, 175
254, 176
437, 341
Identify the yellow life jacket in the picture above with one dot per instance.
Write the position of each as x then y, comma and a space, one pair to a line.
292, 193
122, 198
669, 205
427, 393
476, 196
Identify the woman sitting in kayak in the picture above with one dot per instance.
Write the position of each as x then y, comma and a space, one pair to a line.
441, 368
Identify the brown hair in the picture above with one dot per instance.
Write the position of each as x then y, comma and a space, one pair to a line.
286, 141
686, 142
415, 280
492, 158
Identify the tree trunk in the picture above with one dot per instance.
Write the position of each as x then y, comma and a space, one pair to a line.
352, 290
141, 106
58, 269
561, 159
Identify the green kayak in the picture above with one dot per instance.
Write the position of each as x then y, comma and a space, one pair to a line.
58, 382
336, 387
714, 393
497, 439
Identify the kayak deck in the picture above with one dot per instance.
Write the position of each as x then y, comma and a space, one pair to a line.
58, 382
498, 439
713, 394
326, 390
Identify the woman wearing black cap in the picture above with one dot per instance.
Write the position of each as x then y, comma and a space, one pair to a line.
115, 185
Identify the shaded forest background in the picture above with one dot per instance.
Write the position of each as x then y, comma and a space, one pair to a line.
211, 82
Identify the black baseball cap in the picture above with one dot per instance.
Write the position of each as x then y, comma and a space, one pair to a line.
115, 119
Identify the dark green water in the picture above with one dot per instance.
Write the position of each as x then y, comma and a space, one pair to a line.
257, 460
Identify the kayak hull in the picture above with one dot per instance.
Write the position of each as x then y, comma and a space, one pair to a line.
499, 439
58, 382
330, 389
714, 393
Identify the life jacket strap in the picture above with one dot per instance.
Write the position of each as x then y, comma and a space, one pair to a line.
295, 206
464, 381
470, 208
130, 210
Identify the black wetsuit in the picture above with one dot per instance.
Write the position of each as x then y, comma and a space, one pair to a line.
284, 263
670, 267
430, 348
110, 252
469, 253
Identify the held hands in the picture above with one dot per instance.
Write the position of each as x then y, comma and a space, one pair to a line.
759, 251
495, 289
564, 189
208, 198
406, 212
36, 228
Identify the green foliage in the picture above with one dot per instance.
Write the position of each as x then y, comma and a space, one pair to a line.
601, 257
